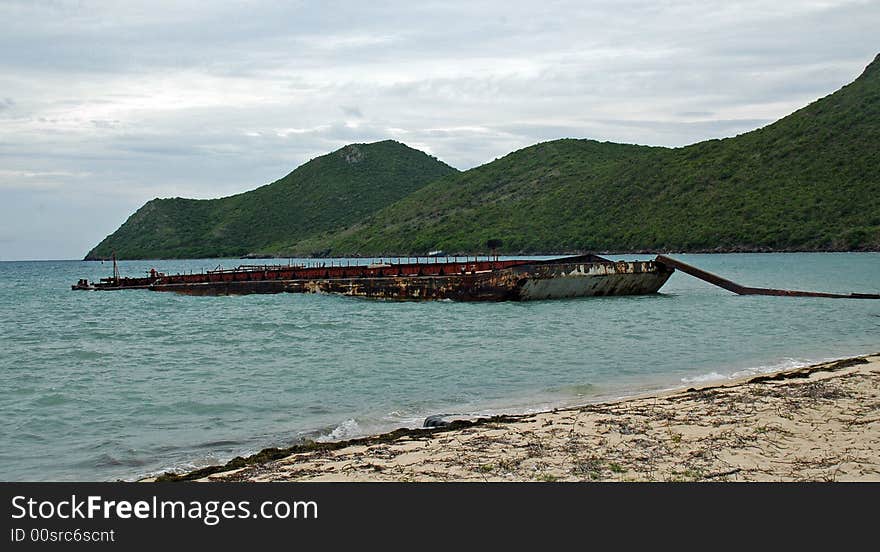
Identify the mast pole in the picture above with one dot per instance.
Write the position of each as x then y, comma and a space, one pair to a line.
115, 269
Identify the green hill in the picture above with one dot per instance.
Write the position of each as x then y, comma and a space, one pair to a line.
810, 181
326, 194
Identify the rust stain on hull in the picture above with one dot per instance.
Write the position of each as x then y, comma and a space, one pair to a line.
486, 280
518, 282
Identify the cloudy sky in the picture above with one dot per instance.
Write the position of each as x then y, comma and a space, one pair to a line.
105, 105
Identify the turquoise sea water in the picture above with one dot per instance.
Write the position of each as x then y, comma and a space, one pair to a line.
105, 386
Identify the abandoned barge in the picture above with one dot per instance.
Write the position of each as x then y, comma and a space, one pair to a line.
471, 280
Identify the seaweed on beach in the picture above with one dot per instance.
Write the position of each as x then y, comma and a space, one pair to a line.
805, 372
742, 431
274, 453
817, 390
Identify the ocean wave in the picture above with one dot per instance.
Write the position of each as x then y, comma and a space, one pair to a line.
348, 429
782, 365
702, 378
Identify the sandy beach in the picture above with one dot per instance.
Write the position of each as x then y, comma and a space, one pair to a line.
818, 423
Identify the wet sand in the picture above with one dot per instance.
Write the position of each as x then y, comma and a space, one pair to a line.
819, 423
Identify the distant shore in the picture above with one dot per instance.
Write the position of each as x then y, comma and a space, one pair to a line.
733, 249
817, 423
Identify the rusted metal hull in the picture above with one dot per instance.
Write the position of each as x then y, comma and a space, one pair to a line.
520, 282
468, 280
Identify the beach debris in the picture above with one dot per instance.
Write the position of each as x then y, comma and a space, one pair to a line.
435, 420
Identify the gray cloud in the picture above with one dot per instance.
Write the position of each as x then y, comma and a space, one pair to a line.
352, 111
115, 104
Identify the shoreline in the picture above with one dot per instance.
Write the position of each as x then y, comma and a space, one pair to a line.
818, 422
701, 251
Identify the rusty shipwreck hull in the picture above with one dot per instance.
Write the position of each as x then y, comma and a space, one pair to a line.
468, 280
582, 276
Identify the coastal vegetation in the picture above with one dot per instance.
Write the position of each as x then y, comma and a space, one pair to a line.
810, 181
326, 194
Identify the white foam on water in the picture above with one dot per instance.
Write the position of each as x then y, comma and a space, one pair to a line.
505, 408
711, 376
348, 429
781, 366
